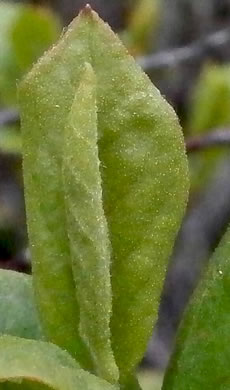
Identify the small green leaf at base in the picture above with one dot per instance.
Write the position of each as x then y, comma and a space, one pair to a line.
18, 314
39, 365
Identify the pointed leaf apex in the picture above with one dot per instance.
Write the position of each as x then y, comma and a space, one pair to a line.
87, 10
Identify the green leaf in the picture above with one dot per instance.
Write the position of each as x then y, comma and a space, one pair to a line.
87, 226
143, 173
202, 353
10, 140
33, 33
18, 315
25, 33
142, 23
210, 108
44, 116
8, 69
143, 169
38, 365
210, 100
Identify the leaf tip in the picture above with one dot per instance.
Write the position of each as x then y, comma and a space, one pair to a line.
87, 10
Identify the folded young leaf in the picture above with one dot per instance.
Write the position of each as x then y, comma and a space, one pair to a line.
143, 174
87, 227
201, 356
38, 365
18, 314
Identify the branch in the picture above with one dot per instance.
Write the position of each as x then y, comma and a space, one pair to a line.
218, 137
187, 54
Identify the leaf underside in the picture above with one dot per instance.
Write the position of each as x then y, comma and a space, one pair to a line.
130, 199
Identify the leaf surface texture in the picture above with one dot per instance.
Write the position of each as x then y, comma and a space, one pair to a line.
202, 348
143, 174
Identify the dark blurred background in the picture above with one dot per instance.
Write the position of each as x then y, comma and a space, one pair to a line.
184, 46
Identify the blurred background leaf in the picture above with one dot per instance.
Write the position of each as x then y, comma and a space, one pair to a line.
25, 33
10, 140
142, 23
209, 109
